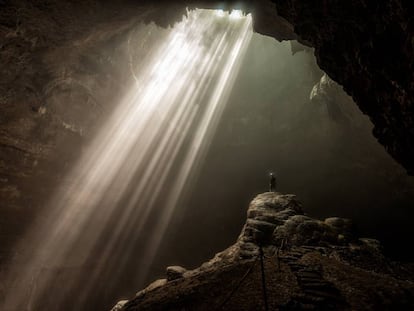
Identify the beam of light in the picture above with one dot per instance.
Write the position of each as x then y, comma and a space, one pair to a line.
158, 134
236, 14
220, 13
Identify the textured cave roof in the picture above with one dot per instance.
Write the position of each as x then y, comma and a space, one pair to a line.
365, 46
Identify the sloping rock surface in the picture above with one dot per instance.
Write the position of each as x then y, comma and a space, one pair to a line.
309, 264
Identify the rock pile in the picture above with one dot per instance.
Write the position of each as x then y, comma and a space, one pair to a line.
276, 219
306, 254
175, 272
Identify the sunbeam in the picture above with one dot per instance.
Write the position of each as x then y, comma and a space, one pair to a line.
158, 134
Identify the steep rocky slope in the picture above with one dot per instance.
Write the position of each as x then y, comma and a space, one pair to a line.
309, 264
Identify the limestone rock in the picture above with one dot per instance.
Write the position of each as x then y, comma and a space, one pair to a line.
345, 37
119, 305
274, 218
154, 285
372, 244
267, 211
303, 230
321, 266
175, 272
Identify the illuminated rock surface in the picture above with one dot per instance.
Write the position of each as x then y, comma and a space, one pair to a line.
309, 264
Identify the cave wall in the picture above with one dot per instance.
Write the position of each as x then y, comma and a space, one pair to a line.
368, 48
57, 81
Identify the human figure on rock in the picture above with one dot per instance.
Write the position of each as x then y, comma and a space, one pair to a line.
272, 182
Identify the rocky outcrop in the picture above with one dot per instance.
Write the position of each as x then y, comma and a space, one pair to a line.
175, 272
309, 264
267, 212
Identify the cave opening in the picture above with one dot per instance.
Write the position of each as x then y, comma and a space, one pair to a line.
282, 114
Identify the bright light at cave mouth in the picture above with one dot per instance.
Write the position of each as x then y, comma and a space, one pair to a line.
177, 101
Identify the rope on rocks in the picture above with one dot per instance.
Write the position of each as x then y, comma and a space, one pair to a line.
234, 290
263, 279
238, 284
275, 259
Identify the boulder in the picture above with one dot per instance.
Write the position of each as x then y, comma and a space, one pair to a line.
175, 272
119, 305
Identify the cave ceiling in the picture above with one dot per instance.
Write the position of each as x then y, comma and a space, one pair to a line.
365, 46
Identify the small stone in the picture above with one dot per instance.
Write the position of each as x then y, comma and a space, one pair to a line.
119, 305
175, 272
154, 285
371, 244
42, 110
261, 225
335, 222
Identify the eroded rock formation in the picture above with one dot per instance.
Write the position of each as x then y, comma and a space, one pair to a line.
309, 264
367, 47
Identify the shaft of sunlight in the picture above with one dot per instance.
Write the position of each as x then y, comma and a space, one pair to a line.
162, 128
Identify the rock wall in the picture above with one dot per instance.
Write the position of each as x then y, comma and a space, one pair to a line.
368, 48
365, 46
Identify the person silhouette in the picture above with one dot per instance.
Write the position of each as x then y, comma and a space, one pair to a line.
272, 182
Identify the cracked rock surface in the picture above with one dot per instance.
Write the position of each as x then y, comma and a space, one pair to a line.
310, 264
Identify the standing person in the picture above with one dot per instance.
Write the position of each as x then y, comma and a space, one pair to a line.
272, 182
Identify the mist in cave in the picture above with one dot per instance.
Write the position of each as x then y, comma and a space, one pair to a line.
288, 117
285, 115
282, 114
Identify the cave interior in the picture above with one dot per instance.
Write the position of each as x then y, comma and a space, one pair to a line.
319, 93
